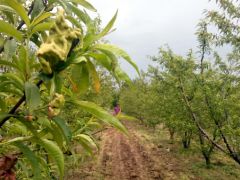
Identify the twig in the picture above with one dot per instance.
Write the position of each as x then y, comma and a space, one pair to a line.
99, 131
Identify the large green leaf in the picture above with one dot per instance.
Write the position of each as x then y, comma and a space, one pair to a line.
64, 128
86, 142
38, 7
55, 153
10, 48
118, 52
19, 9
100, 113
42, 27
40, 18
57, 135
32, 95
102, 59
109, 26
10, 30
94, 75
23, 62
80, 77
121, 75
84, 4
32, 158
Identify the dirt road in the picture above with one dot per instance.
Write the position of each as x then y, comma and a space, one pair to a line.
130, 157
146, 155
123, 158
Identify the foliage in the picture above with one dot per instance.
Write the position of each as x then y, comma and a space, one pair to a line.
49, 61
197, 98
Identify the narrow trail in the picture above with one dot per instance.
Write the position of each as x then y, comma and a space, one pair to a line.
123, 157
130, 157
143, 155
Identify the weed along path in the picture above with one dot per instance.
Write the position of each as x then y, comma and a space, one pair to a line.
123, 157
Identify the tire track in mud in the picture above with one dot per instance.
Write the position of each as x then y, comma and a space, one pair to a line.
124, 158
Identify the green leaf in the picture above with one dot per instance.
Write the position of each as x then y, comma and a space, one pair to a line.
17, 139
42, 27
9, 64
57, 135
102, 59
40, 18
75, 22
100, 113
64, 128
3, 106
19, 9
6, 8
55, 153
80, 77
82, 15
10, 48
32, 158
118, 52
94, 75
109, 26
37, 8
79, 60
121, 75
84, 4
86, 142
32, 95
10, 30
16, 80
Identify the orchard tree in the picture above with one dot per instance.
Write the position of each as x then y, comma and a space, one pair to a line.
48, 60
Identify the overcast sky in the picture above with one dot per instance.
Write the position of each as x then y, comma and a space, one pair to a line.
145, 25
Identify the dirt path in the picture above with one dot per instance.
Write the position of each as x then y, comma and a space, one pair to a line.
145, 155
123, 158
130, 157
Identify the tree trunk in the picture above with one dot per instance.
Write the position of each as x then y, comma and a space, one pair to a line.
171, 132
186, 140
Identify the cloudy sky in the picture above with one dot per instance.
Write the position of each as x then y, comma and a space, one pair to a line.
145, 25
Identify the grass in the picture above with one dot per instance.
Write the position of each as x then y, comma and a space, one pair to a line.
192, 164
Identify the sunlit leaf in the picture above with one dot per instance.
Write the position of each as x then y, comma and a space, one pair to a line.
109, 26
100, 113
19, 9
55, 153
94, 75
32, 158
64, 128
80, 77
118, 52
40, 18
10, 30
